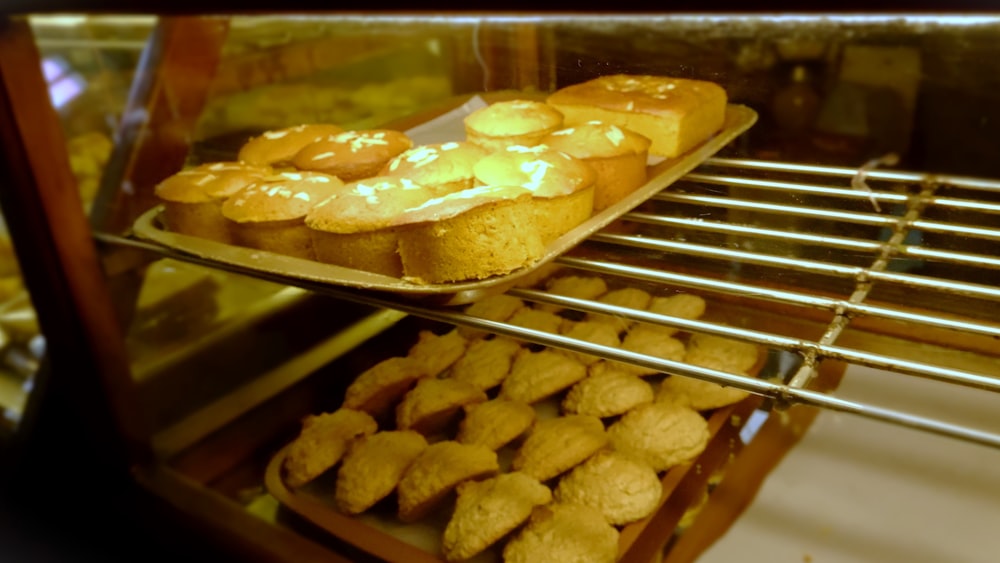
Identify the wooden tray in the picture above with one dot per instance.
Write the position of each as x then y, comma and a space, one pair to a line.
381, 534
661, 175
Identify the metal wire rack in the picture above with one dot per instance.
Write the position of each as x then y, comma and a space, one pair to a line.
866, 257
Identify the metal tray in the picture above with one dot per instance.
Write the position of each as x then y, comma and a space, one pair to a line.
661, 175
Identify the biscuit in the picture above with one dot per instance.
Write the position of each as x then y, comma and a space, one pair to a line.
683, 305
495, 423
660, 434
499, 307
724, 354
626, 297
559, 533
437, 471
434, 404
624, 490
322, 442
556, 445
373, 466
536, 319
650, 341
715, 352
537, 375
580, 287
486, 363
377, 390
486, 511
438, 351
610, 394
593, 332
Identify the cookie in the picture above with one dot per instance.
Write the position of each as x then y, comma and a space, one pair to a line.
624, 490
322, 442
486, 363
495, 423
558, 444
434, 404
660, 434
537, 375
379, 388
610, 394
373, 466
437, 352
437, 471
557, 533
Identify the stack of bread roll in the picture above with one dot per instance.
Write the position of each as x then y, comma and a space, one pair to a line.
528, 172
530, 453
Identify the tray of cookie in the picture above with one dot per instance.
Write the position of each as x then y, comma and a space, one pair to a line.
480, 447
464, 203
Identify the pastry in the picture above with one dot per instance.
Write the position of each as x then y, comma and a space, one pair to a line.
270, 214
595, 333
436, 472
486, 362
322, 442
649, 341
579, 287
470, 235
537, 375
612, 393
498, 307
442, 168
718, 353
560, 533
676, 114
555, 445
536, 319
434, 404
373, 466
379, 388
437, 352
495, 423
660, 434
278, 146
683, 305
352, 155
511, 122
617, 155
486, 511
625, 297
622, 489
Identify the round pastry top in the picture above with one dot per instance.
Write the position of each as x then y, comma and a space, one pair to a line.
543, 170
459, 202
597, 139
366, 205
281, 197
212, 181
639, 93
280, 145
438, 163
370, 145
514, 117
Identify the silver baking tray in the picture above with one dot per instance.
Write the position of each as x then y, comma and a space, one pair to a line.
149, 226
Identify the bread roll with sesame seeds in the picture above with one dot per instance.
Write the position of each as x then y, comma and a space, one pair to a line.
270, 214
278, 146
352, 155
676, 114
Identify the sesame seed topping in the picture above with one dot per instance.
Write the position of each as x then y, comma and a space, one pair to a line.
450, 146
569, 131
205, 179
302, 195
291, 175
318, 179
274, 134
322, 155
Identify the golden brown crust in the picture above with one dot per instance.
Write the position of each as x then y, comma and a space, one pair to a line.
278, 146
622, 489
498, 307
485, 511
548, 173
536, 319
437, 352
212, 181
556, 445
352, 155
378, 389
437, 471
322, 442
511, 122
593, 332
580, 287
597, 139
650, 341
486, 363
683, 305
626, 297
560, 533
441, 167
715, 352
495, 423
434, 404
366, 205
280, 197
373, 466
610, 394
537, 375
660, 434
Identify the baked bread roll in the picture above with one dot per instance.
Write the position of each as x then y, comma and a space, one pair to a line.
486, 363
495, 423
322, 442
278, 146
617, 155
192, 198
556, 445
352, 155
715, 352
442, 168
512, 122
486, 511
270, 214
498, 307
537, 375
379, 388
622, 489
434, 404
357, 228
560, 533
437, 352
563, 186
437, 471
612, 393
660, 434
373, 466
470, 235
676, 114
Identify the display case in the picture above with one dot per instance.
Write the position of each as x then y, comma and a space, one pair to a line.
840, 224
